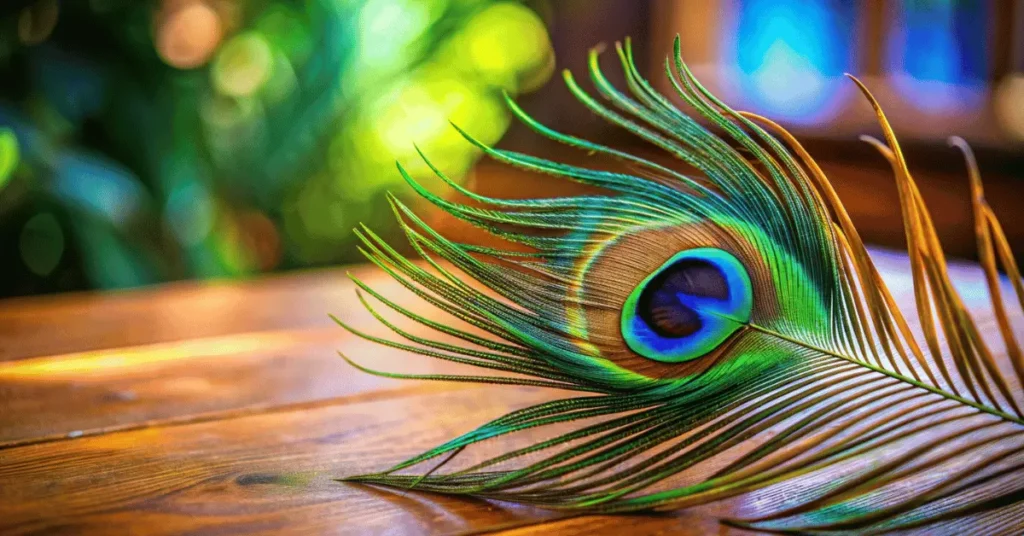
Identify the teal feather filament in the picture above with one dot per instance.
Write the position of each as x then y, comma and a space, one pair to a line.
727, 332
702, 296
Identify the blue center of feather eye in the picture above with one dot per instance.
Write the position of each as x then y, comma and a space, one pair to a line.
688, 306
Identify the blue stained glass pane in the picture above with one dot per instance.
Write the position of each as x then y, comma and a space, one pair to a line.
938, 47
791, 55
941, 40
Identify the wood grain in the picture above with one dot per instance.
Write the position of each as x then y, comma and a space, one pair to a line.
273, 473
53, 325
676, 524
255, 474
239, 360
236, 370
224, 408
56, 325
53, 398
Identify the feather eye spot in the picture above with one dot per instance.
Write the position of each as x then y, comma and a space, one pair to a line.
688, 306
676, 320
661, 304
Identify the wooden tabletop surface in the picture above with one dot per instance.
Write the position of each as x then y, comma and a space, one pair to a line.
223, 408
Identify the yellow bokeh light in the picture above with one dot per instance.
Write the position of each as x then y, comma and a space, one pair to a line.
419, 112
242, 65
504, 40
1009, 105
415, 114
37, 21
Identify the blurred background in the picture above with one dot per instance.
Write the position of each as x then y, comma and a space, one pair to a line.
152, 141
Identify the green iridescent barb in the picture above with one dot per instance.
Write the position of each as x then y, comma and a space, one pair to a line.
728, 330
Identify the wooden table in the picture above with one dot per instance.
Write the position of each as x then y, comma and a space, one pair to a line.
223, 408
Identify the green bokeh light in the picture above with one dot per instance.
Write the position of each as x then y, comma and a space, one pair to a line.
285, 26
9, 155
295, 121
403, 103
41, 243
505, 40
242, 65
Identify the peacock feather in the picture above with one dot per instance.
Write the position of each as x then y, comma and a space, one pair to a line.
727, 333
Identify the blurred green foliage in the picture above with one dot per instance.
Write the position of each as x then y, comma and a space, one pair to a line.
153, 141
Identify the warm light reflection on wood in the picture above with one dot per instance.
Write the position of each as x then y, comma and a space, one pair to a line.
115, 360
